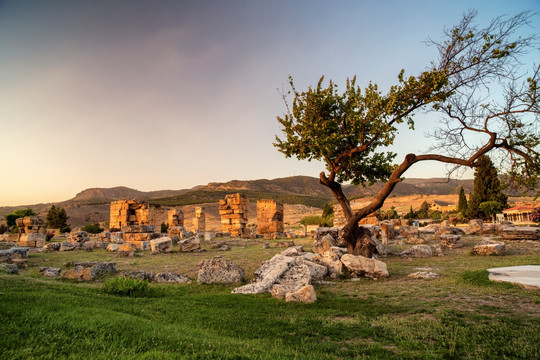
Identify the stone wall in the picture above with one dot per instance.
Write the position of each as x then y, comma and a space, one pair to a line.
132, 212
234, 214
339, 217
269, 217
175, 217
32, 231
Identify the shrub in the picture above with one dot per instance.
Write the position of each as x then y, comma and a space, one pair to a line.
49, 236
3, 228
92, 228
126, 287
164, 228
317, 220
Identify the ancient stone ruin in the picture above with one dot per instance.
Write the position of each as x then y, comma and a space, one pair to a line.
199, 221
175, 217
269, 217
32, 231
234, 214
139, 235
340, 220
131, 212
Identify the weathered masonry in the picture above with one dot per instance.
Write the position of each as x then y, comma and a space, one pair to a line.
131, 212
269, 217
234, 214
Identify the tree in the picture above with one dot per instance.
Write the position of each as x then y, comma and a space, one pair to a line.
423, 212
327, 211
491, 208
10, 218
462, 203
57, 219
486, 187
350, 131
411, 214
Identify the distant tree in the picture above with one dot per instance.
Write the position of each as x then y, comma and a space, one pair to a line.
475, 85
317, 220
423, 212
435, 214
327, 211
486, 187
491, 208
462, 203
92, 228
10, 218
57, 219
411, 214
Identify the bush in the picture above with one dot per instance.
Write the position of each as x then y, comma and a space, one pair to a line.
317, 220
92, 228
164, 228
126, 287
3, 228
49, 236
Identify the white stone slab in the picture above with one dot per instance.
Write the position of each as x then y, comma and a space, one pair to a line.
527, 276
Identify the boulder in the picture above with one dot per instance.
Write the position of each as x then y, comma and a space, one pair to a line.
79, 236
113, 247
417, 251
475, 227
189, 244
331, 259
91, 270
126, 250
407, 231
488, 247
68, 246
427, 275
50, 271
88, 246
224, 247
437, 250
267, 275
9, 268
520, 233
306, 294
364, 266
450, 230
323, 244
293, 251
316, 271
101, 245
169, 277
161, 245
415, 240
285, 243
293, 279
450, 241
219, 271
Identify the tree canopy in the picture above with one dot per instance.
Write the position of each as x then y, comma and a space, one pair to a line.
57, 219
351, 131
486, 188
10, 218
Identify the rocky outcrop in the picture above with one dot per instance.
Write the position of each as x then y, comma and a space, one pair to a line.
219, 271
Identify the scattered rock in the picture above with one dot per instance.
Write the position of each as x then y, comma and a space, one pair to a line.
169, 277
415, 240
53, 246
293, 251
407, 231
475, 227
417, 251
293, 279
305, 294
423, 275
161, 245
68, 246
364, 266
520, 233
79, 237
50, 271
266, 246
91, 270
451, 230
126, 250
138, 275
437, 249
113, 247
190, 244
101, 245
285, 243
225, 247
316, 271
267, 275
450, 241
488, 247
9, 268
331, 259
219, 271
88, 246
323, 244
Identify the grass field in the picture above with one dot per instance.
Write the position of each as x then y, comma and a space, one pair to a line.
459, 315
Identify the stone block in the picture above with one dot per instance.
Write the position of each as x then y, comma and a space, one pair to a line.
161, 245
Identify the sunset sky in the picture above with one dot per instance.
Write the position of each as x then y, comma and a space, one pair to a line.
173, 94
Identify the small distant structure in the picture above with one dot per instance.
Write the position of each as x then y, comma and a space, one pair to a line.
269, 217
234, 214
199, 221
518, 214
443, 206
32, 231
131, 212
175, 217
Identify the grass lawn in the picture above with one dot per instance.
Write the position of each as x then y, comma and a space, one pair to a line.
459, 315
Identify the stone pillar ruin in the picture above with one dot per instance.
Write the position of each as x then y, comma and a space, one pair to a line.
234, 214
175, 217
269, 217
132, 212
32, 231
199, 221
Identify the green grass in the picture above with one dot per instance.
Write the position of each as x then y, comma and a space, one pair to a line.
459, 315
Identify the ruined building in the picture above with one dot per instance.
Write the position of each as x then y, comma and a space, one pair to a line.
199, 221
175, 217
132, 212
32, 231
234, 214
269, 217
339, 217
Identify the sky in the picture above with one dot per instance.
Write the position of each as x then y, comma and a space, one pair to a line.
172, 94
